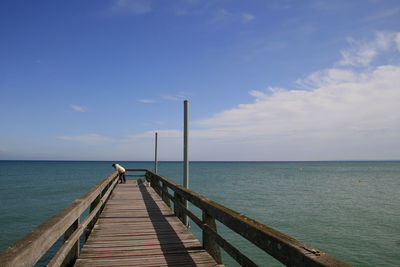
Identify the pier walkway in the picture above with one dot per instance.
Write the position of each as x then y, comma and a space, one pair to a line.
143, 223
136, 228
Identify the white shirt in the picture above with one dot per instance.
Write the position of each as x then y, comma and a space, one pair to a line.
119, 168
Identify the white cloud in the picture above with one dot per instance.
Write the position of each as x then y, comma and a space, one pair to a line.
359, 115
78, 108
328, 76
397, 38
88, 138
146, 101
131, 7
344, 114
362, 53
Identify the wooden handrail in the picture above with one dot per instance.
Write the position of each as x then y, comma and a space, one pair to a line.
282, 247
28, 250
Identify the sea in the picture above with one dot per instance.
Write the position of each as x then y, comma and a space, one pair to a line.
348, 209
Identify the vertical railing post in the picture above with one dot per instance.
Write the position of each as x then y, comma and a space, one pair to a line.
164, 194
148, 177
156, 185
209, 243
93, 205
179, 203
74, 253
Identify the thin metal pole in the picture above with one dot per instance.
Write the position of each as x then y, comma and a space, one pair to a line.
185, 144
155, 154
185, 152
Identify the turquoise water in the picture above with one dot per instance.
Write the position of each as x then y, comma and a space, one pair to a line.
350, 210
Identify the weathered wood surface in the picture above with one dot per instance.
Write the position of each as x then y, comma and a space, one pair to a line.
136, 228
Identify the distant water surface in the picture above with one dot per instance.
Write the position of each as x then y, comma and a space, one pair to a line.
350, 210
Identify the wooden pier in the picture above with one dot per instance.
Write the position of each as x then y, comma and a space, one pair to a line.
137, 228
135, 224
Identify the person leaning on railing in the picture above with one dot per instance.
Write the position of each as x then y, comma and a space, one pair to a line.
121, 173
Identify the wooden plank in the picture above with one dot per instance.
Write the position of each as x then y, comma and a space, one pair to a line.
136, 228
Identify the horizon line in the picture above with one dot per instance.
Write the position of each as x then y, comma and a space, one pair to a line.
151, 161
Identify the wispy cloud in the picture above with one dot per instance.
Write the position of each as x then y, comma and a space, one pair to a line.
174, 97
224, 16
130, 7
384, 14
328, 76
308, 28
253, 48
362, 53
146, 101
327, 5
88, 138
78, 108
221, 15
247, 17
194, 7
168, 133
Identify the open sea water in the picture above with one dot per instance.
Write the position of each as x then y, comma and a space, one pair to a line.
350, 210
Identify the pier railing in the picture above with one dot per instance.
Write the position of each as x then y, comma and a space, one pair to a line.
64, 225
286, 249
67, 227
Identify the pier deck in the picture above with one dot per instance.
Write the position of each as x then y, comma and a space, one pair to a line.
136, 228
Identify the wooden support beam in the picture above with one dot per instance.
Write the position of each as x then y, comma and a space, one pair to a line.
73, 254
209, 243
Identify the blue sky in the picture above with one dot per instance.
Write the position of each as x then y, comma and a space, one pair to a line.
266, 80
